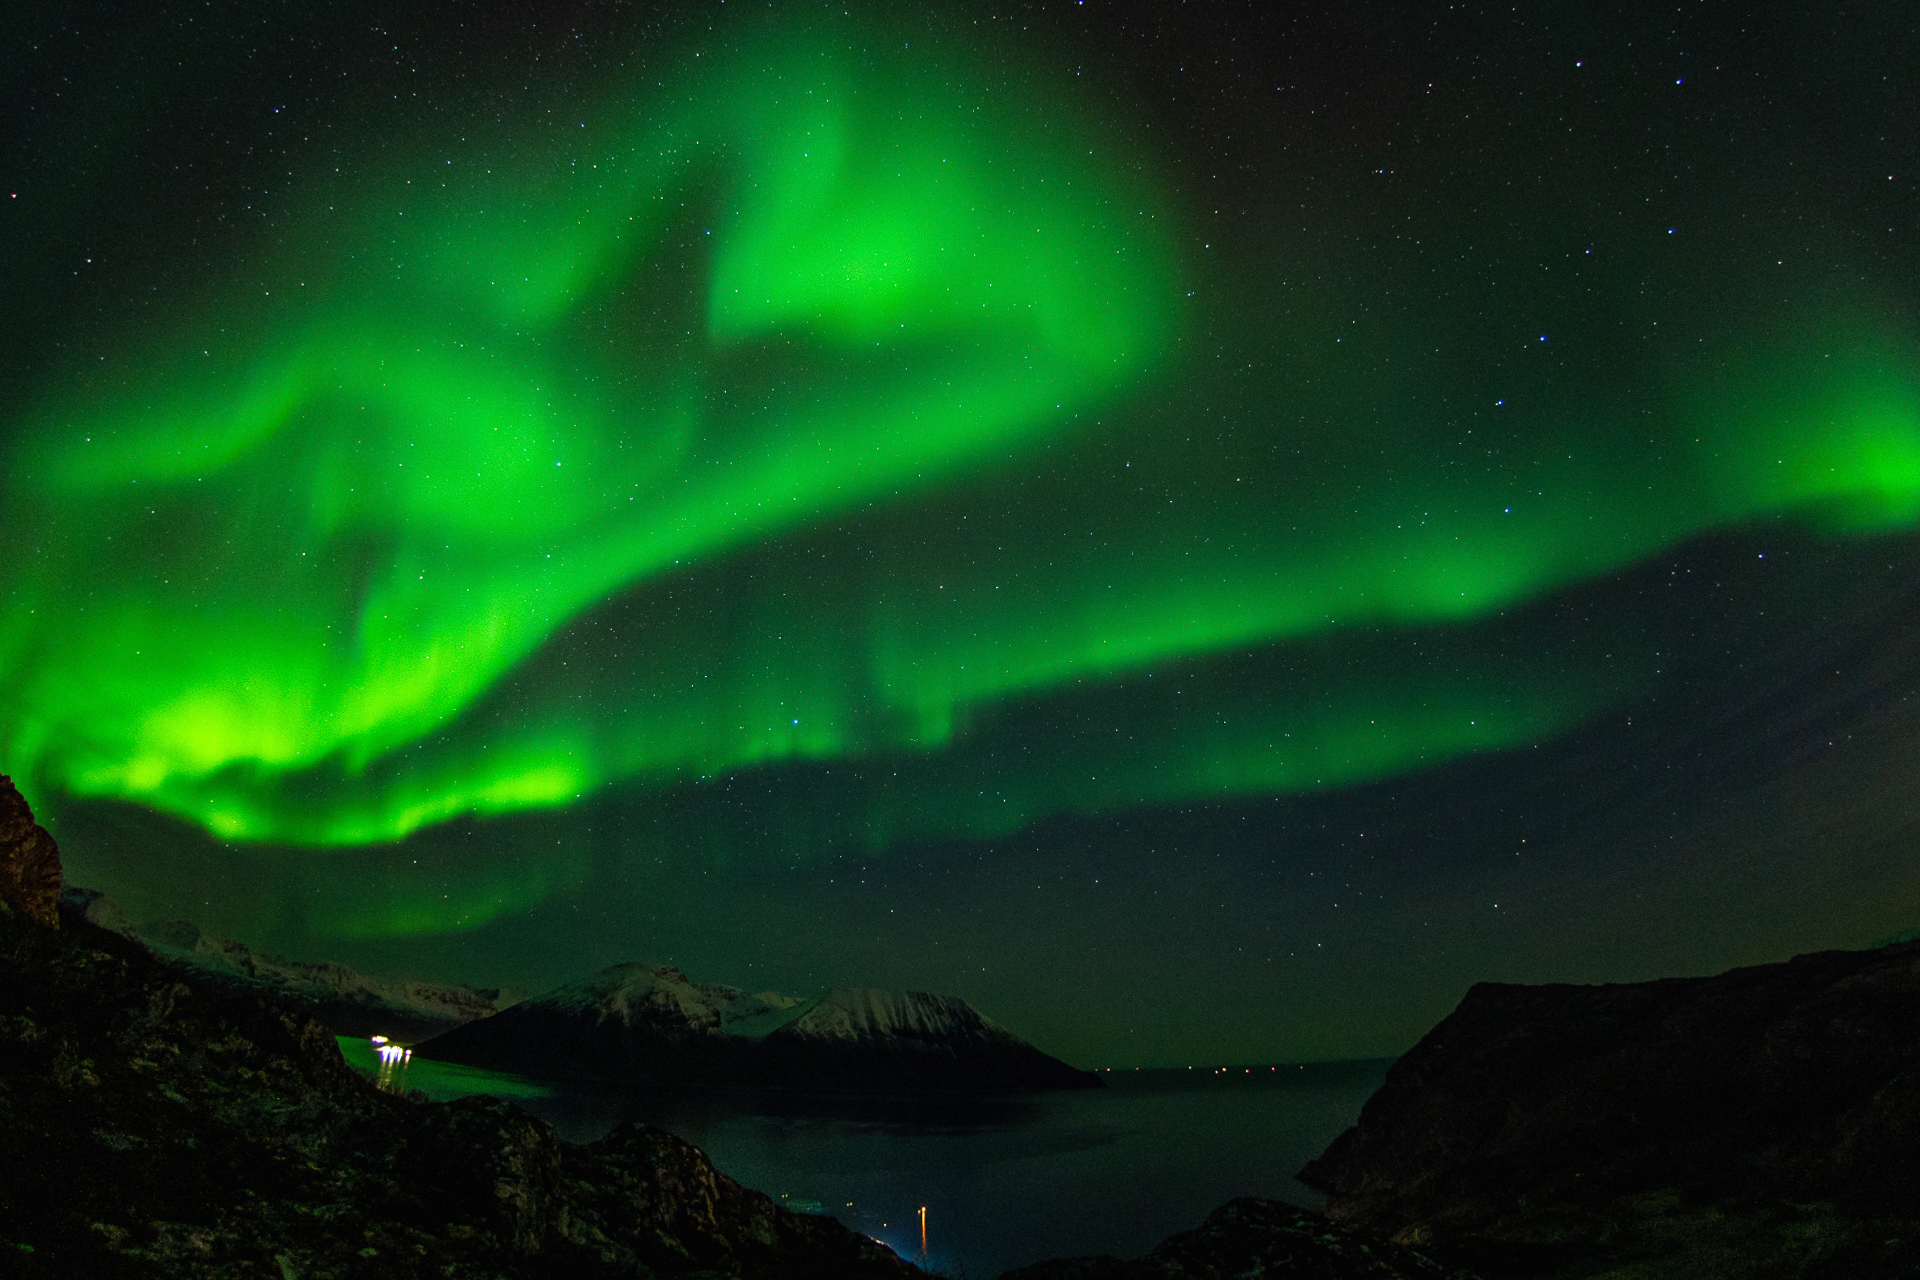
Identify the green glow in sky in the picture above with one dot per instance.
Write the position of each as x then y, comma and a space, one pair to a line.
825, 401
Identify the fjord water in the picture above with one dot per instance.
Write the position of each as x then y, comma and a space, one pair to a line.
1005, 1181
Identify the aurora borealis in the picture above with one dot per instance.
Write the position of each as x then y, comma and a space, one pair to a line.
459, 461
463, 474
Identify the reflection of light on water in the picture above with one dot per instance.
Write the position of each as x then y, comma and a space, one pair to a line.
1062, 1175
879, 1240
440, 1081
393, 1063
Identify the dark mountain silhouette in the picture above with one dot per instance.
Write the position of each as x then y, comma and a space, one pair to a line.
1250, 1239
1762, 1122
650, 1025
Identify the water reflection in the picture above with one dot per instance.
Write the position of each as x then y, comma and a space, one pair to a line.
393, 1063
1006, 1180
1010, 1180
440, 1081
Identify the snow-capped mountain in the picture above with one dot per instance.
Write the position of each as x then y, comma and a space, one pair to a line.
652, 1025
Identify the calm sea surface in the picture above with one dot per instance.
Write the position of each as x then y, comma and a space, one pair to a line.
1004, 1182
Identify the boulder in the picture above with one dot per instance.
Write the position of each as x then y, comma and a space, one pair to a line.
29, 862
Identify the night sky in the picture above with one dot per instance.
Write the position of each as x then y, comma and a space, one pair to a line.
1205, 529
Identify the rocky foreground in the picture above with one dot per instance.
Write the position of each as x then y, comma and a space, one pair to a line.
156, 1124
1763, 1124
351, 1003
153, 1127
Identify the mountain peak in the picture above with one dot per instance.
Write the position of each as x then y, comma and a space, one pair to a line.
640, 1023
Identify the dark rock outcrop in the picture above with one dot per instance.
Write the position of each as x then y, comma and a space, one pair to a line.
29, 862
152, 1127
1763, 1122
647, 1025
1251, 1239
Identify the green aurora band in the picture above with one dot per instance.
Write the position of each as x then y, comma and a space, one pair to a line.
864, 387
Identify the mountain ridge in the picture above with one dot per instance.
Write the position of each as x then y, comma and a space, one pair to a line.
637, 1023
349, 1002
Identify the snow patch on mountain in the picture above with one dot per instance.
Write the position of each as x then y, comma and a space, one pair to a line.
663, 999
651, 1025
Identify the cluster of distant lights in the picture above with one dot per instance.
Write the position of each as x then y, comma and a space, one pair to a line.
393, 1062
390, 1052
